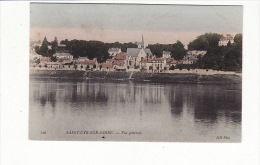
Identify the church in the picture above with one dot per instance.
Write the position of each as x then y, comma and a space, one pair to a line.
136, 55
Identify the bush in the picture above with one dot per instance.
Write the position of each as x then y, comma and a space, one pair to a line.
172, 67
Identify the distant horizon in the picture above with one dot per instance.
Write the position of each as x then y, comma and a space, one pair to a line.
164, 24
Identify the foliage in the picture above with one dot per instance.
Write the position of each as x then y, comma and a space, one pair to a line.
177, 49
172, 67
238, 40
205, 41
228, 58
157, 49
54, 59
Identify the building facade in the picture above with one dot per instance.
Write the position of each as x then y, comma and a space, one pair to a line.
225, 40
192, 56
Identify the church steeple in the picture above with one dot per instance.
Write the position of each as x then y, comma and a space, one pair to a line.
141, 44
142, 41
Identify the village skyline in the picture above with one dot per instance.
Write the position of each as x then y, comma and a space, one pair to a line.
108, 24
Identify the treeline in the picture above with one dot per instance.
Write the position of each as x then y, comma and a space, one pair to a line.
177, 49
81, 48
226, 58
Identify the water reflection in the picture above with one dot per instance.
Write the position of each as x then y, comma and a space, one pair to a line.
129, 103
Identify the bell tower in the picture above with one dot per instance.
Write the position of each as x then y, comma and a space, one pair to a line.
142, 41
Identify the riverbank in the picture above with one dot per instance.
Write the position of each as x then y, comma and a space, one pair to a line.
141, 76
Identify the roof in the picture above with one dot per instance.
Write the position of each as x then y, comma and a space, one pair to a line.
196, 52
146, 61
135, 51
166, 52
114, 49
175, 62
62, 54
120, 56
109, 60
89, 62
107, 65
52, 63
118, 62
158, 59
82, 58
227, 37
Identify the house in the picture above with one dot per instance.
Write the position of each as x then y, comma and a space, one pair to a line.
154, 64
54, 65
45, 59
146, 64
159, 63
225, 40
87, 64
82, 59
172, 62
63, 56
166, 54
114, 51
106, 66
192, 56
136, 55
119, 61
109, 61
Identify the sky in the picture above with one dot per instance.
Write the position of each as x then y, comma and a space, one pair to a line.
127, 22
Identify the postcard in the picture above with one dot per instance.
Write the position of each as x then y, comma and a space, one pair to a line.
135, 72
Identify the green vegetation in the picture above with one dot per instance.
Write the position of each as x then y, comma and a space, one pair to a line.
226, 58
205, 41
177, 49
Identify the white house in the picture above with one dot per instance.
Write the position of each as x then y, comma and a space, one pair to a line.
224, 41
166, 54
192, 56
63, 56
114, 51
155, 64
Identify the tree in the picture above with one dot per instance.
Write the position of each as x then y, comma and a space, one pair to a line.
229, 44
54, 45
45, 41
178, 50
238, 39
157, 49
43, 50
53, 58
205, 41
172, 67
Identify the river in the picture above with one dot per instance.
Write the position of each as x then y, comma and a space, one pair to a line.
91, 110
